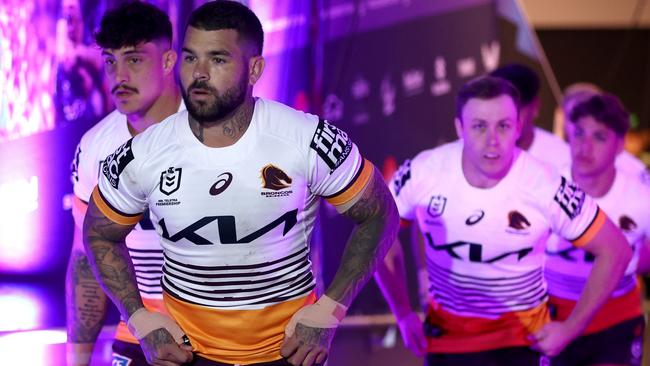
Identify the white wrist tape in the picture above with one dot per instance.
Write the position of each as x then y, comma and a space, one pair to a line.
143, 322
325, 313
78, 354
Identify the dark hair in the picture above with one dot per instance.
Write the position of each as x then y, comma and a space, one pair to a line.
226, 14
606, 109
523, 78
485, 87
131, 24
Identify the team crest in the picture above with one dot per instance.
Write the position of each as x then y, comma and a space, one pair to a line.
626, 224
274, 178
517, 223
437, 205
170, 180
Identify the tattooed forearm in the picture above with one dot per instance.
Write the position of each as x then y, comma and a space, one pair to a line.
378, 224
85, 301
110, 260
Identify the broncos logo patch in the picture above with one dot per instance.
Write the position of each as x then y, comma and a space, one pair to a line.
274, 178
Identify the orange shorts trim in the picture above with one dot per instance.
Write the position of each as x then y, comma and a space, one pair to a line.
616, 310
464, 334
235, 336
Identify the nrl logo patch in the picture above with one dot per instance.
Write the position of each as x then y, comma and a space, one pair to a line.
437, 205
170, 180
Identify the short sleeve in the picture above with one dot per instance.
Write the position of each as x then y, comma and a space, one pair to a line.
575, 216
401, 187
118, 195
337, 171
83, 176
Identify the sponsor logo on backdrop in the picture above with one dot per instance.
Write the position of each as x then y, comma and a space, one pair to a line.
466, 67
441, 85
360, 88
387, 92
413, 82
333, 108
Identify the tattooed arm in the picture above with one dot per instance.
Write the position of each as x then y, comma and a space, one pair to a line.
86, 302
377, 222
112, 265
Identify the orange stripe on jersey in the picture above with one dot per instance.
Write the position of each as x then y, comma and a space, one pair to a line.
111, 213
463, 334
355, 187
403, 223
235, 336
616, 310
122, 332
592, 230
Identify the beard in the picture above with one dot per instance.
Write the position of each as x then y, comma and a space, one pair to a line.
223, 105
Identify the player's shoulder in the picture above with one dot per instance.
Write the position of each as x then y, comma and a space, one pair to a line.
285, 123
158, 136
550, 139
441, 157
636, 184
107, 126
535, 174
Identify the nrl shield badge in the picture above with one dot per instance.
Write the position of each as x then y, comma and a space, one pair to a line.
437, 205
170, 180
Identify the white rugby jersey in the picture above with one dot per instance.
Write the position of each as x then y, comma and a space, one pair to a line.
235, 222
96, 144
485, 247
549, 148
626, 203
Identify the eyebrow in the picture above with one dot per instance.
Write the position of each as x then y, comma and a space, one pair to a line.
129, 52
210, 53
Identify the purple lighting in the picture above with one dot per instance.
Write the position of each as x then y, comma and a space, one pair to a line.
27, 64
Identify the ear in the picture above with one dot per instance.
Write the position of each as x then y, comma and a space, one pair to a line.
459, 127
535, 106
169, 60
620, 144
255, 69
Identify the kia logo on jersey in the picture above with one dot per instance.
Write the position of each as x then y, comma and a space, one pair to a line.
437, 205
274, 178
626, 223
170, 180
221, 184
